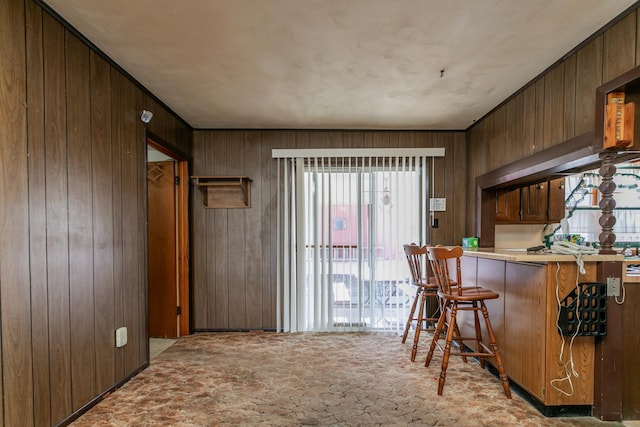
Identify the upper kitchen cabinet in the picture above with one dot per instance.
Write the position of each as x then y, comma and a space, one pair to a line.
534, 203
556, 209
507, 206
539, 203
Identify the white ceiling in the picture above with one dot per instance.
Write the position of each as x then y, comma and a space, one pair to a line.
335, 64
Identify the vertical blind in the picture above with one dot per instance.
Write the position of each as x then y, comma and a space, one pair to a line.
343, 216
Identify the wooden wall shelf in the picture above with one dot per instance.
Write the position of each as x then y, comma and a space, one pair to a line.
224, 191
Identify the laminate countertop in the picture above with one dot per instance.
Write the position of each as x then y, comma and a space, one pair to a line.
521, 255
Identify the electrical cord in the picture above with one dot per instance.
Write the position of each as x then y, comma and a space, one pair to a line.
568, 366
569, 248
624, 293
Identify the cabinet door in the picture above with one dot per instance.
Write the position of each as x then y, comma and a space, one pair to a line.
524, 326
556, 200
533, 203
508, 205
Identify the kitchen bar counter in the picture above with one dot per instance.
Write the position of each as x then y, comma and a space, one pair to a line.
525, 317
521, 255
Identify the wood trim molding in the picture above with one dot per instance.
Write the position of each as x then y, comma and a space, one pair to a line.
573, 155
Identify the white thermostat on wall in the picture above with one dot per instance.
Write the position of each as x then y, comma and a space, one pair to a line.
437, 204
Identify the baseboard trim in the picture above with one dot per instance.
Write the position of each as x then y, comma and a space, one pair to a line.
74, 416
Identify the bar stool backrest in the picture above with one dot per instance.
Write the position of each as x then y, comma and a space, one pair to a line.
440, 259
415, 255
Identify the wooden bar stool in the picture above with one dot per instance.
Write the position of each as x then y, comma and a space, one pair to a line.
426, 295
455, 297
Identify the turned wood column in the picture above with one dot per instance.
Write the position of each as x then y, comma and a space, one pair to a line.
607, 203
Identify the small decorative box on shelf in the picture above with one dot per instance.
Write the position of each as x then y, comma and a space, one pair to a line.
224, 191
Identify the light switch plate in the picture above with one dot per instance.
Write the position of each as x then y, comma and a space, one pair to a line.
438, 204
121, 337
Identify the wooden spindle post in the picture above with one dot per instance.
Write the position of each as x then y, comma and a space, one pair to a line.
607, 203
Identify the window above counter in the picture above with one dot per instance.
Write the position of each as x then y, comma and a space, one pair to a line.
583, 196
582, 190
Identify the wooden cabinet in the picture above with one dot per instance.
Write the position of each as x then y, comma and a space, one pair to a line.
525, 326
488, 273
533, 203
507, 205
555, 211
539, 203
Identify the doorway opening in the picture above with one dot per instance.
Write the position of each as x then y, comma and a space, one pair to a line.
167, 241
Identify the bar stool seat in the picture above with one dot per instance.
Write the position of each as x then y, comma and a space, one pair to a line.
459, 298
426, 296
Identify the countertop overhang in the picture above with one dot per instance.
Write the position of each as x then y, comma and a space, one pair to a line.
518, 255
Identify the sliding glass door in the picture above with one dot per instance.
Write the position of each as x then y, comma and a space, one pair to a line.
356, 215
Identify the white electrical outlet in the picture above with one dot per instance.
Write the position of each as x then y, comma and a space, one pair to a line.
613, 286
121, 337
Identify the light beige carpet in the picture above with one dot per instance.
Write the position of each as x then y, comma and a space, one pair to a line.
328, 379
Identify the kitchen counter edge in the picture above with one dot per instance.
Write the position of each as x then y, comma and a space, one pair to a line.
522, 256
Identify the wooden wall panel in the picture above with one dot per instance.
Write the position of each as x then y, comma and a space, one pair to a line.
219, 241
619, 48
459, 208
132, 227
234, 277
589, 77
510, 133
80, 221
72, 213
499, 142
57, 218
473, 143
488, 141
103, 227
236, 255
569, 122
538, 124
198, 245
117, 209
37, 217
15, 336
553, 130
210, 234
252, 160
529, 120
141, 250
518, 142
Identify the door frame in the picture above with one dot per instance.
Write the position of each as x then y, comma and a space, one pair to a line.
182, 227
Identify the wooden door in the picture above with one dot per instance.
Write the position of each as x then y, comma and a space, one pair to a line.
161, 195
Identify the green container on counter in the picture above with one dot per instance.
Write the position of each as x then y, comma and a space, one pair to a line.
470, 242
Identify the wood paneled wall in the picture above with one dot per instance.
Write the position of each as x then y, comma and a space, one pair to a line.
555, 107
72, 218
234, 249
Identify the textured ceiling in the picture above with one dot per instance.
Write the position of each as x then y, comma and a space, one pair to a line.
335, 64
